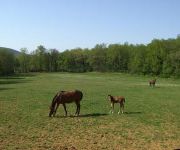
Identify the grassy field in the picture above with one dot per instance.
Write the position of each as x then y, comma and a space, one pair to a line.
151, 119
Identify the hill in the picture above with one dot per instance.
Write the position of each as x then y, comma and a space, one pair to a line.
15, 52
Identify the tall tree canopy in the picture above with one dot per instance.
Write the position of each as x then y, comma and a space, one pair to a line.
160, 57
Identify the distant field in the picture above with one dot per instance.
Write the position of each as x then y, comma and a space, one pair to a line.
151, 119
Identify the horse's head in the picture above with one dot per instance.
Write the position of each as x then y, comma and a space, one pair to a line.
52, 107
109, 97
54, 101
51, 111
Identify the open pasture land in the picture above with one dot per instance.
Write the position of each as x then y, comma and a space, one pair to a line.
151, 119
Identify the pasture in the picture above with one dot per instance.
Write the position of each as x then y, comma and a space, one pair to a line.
151, 119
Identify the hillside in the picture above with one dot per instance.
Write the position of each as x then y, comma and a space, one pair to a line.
15, 52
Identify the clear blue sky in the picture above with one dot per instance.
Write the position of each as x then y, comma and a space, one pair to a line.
67, 24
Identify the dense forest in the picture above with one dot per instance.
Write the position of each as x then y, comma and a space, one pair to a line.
160, 57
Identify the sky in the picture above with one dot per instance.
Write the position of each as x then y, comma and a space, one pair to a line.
68, 24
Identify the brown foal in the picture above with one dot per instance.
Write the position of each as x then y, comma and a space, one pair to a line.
152, 82
117, 99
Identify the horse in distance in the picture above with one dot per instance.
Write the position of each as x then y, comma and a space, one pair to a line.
117, 99
152, 82
64, 97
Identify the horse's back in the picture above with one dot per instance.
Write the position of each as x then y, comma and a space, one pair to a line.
70, 96
119, 99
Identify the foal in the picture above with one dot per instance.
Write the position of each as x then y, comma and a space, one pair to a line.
117, 99
152, 82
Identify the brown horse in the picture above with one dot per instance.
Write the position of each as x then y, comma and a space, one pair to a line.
117, 99
152, 82
64, 97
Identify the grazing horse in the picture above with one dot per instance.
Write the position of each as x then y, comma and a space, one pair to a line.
152, 82
117, 99
64, 97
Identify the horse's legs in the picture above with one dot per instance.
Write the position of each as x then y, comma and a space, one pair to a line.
119, 108
65, 109
122, 108
77, 108
112, 108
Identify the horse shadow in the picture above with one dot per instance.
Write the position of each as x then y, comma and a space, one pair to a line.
96, 115
84, 115
133, 113
93, 115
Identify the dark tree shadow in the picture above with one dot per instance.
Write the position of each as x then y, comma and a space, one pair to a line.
2, 89
9, 81
19, 76
11, 77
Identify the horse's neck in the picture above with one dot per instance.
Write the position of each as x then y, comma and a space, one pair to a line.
112, 99
54, 100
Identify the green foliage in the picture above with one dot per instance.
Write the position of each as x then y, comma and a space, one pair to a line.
137, 63
7, 62
160, 57
97, 58
24, 60
118, 57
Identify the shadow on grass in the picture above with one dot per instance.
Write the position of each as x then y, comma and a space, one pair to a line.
19, 76
2, 89
132, 113
84, 115
93, 115
12, 81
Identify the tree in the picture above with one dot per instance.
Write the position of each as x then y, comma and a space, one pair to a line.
53, 63
7, 62
97, 59
40, 52
118, 57
24, 60
137, 59
38, 59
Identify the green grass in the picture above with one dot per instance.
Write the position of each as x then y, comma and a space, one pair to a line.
151, 120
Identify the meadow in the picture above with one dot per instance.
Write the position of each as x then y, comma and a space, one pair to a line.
151, 119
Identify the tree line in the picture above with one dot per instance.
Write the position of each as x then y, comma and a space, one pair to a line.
160, 57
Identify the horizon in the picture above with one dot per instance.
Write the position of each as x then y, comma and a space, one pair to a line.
70, 24
92, 46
